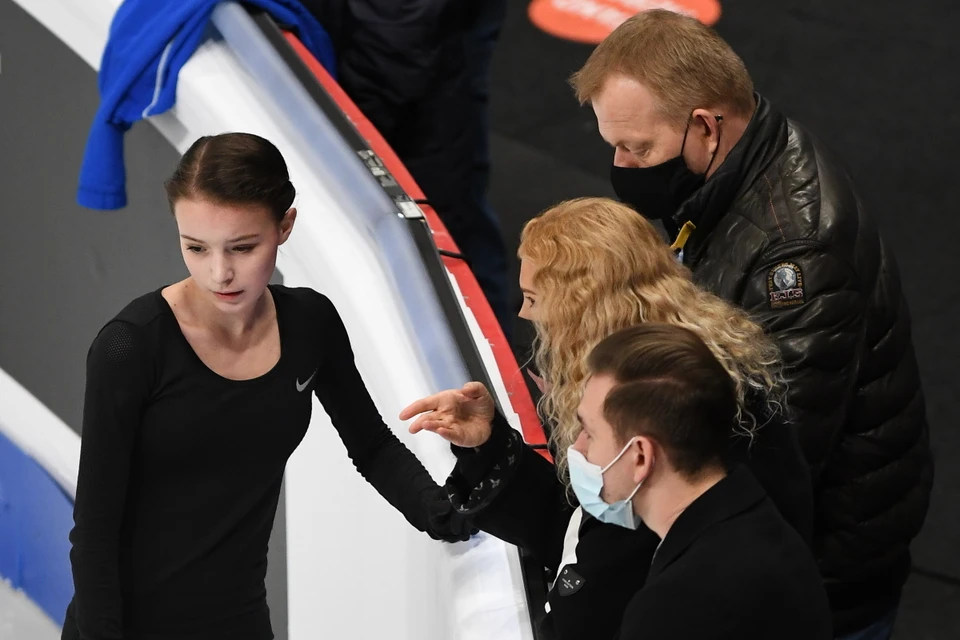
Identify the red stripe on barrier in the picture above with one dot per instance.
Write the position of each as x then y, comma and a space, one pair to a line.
472, 294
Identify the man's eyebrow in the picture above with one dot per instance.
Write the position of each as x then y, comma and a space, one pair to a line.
639, 146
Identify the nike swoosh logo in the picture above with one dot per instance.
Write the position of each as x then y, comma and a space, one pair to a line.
301, 387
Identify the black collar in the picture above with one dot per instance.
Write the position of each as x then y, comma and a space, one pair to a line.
734, 494
763, 140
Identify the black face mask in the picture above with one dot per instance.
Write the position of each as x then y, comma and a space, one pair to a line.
657, 192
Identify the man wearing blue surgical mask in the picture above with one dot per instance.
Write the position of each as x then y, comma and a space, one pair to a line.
766, 217
657, 412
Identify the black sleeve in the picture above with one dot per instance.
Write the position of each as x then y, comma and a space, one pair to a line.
611, 567
117, 388
512, 492
820, 334
776, 460
376, 452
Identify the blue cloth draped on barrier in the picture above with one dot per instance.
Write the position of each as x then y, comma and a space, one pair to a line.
149, 42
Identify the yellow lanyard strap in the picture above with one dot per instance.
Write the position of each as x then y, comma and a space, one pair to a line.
684, 234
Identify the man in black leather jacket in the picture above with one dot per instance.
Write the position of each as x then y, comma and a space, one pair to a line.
766, 216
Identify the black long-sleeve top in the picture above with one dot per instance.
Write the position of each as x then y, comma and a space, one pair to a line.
180, 470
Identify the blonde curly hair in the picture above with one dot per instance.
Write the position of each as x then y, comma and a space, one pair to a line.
601, 267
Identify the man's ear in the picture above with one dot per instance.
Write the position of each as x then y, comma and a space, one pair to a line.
642, 455
706, 124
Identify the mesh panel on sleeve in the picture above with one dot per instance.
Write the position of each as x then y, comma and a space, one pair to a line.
118, 342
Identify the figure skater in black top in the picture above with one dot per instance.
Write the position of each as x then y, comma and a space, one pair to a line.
196, 395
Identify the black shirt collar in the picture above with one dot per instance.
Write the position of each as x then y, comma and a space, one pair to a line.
734, 494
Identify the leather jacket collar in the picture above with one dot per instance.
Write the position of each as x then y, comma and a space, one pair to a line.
762, 141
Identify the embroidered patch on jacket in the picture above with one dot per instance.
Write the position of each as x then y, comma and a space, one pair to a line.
785, 285
569, 582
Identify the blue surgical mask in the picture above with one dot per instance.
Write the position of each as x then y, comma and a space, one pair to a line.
586, 479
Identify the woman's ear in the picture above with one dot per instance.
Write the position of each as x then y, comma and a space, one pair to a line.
286, 225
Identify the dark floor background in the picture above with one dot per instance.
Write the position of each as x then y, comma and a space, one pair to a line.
877, 81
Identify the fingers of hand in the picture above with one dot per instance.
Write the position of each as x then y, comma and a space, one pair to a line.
425, 423
435, 422
420, 406
474, 390
435, 402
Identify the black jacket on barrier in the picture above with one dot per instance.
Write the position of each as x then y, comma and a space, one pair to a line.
781, 232
510, 491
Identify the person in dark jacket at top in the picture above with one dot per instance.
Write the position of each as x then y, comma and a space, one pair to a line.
589, 268
657, 413
766, 216
419, 72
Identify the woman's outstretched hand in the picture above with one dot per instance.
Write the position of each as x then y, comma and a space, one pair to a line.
461, 416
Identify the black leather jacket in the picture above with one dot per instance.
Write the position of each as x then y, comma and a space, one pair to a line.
781, 232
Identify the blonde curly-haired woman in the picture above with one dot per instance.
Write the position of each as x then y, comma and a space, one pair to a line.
590, 267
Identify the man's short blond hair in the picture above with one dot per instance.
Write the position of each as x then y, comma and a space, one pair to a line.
684, 63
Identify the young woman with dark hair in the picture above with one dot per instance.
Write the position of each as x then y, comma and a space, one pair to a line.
196, 395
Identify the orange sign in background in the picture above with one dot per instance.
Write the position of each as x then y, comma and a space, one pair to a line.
591, 21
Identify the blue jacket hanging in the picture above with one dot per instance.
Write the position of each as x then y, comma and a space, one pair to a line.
149, 42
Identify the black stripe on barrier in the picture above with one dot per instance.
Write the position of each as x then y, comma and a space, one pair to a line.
453, 254
533, 573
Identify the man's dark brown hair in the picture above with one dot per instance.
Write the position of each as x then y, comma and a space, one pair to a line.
670, 388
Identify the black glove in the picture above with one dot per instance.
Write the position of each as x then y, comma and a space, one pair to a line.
446, 523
